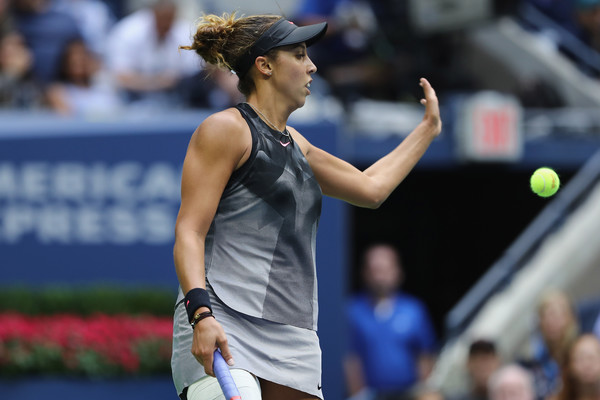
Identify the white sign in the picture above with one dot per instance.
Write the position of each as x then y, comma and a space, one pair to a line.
489, 128
97, 203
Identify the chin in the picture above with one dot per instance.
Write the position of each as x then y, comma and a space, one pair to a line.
297, 105
301, 102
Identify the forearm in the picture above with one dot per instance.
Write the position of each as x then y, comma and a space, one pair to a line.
188, 255
389, 171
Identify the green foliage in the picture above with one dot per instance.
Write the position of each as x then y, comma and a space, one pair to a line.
88, 300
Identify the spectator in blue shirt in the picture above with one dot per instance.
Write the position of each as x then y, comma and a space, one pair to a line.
46, 32
392, 341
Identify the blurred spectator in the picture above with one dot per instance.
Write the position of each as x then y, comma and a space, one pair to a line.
581, 20
537, 92
371, 50
483, 360
348, 56
83, 88
46, 32
581, 373
94, 19
511, 382
214, 88
558, 328
587, 13
18, 88
392, 342
143, 55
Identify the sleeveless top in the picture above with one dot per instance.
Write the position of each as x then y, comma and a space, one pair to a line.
260, 248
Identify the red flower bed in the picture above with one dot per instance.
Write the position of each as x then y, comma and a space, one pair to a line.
100, 345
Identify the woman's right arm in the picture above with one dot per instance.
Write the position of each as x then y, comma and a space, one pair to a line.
220, 145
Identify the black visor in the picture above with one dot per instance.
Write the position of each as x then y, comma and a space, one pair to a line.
281, 33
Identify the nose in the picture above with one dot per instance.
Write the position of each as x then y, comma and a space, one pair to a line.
312, 68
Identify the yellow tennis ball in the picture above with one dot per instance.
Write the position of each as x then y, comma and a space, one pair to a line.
544, 182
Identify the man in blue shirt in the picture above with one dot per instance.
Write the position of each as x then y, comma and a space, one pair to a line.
392, 341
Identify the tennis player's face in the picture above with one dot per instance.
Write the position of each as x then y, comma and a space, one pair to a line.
292, 73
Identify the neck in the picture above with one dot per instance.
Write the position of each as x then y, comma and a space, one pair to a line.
277, 112
379, 298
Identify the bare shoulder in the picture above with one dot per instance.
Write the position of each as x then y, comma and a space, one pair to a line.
223, 123
225, 129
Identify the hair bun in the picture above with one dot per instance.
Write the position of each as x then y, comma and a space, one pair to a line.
212, 34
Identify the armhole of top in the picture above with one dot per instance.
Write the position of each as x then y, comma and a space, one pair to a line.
241, 171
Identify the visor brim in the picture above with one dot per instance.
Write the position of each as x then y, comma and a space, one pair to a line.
308, 34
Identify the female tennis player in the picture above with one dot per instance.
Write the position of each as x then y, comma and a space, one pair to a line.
250, 204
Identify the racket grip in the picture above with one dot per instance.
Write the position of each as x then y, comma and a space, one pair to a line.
223, 375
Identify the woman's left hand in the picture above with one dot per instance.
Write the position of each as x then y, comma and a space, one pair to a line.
432, 108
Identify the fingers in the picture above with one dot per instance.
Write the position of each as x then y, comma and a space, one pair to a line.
209, 336
432, 110
207, 361
427, 90
225, 351
204, 355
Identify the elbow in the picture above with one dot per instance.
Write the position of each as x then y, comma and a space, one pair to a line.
376, 196
374, 201
374, 205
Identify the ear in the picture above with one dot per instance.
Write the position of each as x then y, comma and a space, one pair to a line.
263, 66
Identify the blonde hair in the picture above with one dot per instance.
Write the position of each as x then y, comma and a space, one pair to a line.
570, 331
223, 40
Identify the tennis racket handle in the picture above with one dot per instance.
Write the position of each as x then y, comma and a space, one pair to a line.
223, 375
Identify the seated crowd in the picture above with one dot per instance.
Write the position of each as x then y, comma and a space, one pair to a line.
76, 58
99, 57
560, 361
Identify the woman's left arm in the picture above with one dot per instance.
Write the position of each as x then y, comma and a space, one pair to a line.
371, 187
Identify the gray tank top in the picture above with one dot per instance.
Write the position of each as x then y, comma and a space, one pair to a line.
260, 248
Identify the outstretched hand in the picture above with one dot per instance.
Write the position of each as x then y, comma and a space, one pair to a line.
432, 108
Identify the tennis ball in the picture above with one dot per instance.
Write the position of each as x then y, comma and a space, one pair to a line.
544, 182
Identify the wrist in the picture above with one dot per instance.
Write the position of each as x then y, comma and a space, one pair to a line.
432, 126
196, 300
199, 317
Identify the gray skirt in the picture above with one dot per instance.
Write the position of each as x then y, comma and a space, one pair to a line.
283, 354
